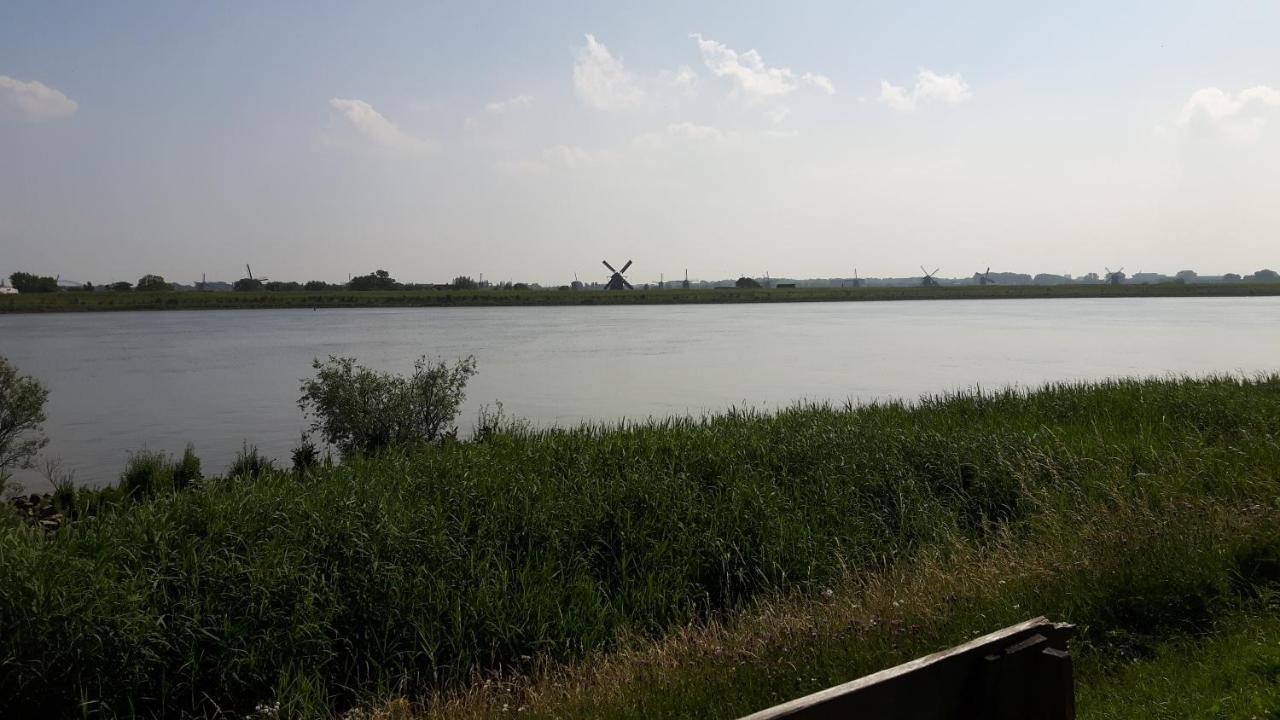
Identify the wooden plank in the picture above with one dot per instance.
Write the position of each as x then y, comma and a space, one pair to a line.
1006, 670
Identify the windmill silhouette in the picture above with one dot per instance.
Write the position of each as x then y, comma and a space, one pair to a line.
616, 280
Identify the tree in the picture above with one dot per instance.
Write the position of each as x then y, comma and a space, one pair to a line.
22, 400
28, 283
1231, 277
314, 285
360, 410
746, 283
377, 280
248, 285
464, 282
279, 286
1266, 276
122, 286
1186, 276
152, 283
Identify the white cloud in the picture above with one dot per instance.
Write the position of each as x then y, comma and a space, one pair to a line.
930, 87
820, 81
754, 81
896, 97
686, 132
601, 80
515, 103
700, 133
1240, 117
778, 114
355, 122
684, 80
33, 100
574, 157
944, 88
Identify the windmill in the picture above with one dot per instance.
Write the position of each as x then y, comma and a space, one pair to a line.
577, 284
1115, 278
857, 281
928, 279
685, 284
984, 278
616, 281
250, 271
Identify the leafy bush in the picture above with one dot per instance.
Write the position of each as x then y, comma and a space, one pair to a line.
305, 457
250, 464
28, 283
187, 470
22, 400
147, 473
360, 410
152, 283
377, 280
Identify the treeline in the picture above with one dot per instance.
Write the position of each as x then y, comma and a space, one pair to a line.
25, 282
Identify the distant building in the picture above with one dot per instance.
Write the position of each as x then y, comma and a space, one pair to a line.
6, 290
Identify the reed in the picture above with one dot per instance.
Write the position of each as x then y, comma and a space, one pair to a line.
413, 573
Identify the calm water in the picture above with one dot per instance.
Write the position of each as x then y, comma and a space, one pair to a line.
125, 381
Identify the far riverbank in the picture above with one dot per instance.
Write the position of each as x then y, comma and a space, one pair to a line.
74, 301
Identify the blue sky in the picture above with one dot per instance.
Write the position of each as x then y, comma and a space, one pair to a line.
314, 140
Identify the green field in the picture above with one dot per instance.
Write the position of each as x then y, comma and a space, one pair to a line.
678, 568
82, 301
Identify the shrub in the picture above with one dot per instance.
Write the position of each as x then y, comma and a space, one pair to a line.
360, 410
146, 473
22, 400
250, 464
152, 283
28, 283
305, 456
377, 280
187, 470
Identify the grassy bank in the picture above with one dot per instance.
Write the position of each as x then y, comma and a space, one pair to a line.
83, 302
690, 561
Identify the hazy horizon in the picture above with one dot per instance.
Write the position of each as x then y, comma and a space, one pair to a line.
529, 142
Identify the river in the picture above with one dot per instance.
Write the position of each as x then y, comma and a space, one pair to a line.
121, 382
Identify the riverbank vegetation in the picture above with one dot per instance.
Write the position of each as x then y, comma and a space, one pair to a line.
520, 296
684, 567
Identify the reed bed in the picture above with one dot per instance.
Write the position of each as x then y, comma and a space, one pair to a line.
418, 573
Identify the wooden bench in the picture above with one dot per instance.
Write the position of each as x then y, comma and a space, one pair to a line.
1022, 671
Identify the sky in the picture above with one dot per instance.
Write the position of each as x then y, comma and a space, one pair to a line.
529, 141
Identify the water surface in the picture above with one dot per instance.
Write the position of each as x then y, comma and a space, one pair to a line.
120, 382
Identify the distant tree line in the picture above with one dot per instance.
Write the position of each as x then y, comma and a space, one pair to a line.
25, 282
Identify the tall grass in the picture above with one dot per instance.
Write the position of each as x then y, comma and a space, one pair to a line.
411, 572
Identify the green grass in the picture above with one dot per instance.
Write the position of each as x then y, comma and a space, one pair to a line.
1139, 509
1231, 672
80, 301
